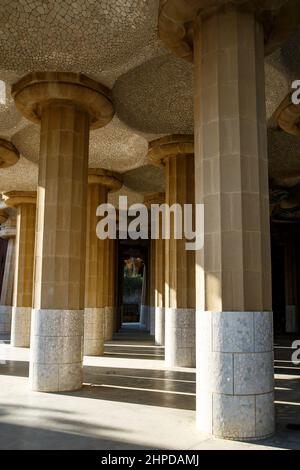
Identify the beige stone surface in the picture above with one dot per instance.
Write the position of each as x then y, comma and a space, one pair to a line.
157, 275
153, 90
231, 165
33, 92
175, 22
233, 272
180, 263
67, 105
3, 216
9, 155
6, 297
25, 203
100, 260
287, 116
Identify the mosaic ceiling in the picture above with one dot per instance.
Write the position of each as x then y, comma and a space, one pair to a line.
116, 42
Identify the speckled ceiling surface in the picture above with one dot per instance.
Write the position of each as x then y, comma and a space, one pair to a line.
116, 42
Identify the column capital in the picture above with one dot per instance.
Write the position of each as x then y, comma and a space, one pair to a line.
170, 146
9, 155
8, 227
287, 116
3, 216
38, 89
154, 198
176, 17
111, 180
16, 198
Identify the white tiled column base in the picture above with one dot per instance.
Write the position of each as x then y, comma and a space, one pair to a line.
94, 331
152, 320
160, 326
56, 350
235, 375
5, 319
20, 327
109, 323
180, 337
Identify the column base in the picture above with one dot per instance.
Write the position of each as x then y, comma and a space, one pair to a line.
152, 320
109, 323
160, 326
180, 337
20, 327
235, 375
56, 350
145, 317
5, 319
94, 331
291, 319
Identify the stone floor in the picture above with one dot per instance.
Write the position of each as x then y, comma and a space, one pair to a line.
129, 401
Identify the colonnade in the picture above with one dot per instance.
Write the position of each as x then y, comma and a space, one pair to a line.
217, 301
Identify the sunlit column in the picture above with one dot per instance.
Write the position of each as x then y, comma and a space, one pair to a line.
98, 316
25, 203
66, 105
7, 232
175, 152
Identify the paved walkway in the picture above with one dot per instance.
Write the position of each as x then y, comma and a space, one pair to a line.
129, 401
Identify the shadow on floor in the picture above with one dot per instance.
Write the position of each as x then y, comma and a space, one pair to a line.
69, 434
15, 368
139, 386
132, 351
171, 389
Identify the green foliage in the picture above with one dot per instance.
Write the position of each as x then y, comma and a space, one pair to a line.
132, 284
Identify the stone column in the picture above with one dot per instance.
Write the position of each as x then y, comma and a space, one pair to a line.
176, 153
67, 105
291, 286
110, 308
25, 203
226, 42
235, 377
151, 285
158, 267
144, 306
7, 232
98, 315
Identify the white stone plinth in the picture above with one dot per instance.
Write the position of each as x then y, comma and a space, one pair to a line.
180, 337
160, 326
5, 319
20, 327
94, 331
56, 350
235, 375
152, 320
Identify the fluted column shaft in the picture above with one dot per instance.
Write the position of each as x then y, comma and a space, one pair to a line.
159, 283
7, 286
180, 269
292, 323
60, 248
23, 275
99, 297
151, 286
66, 105
110, 308
234, 319
8, 275
94, 315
